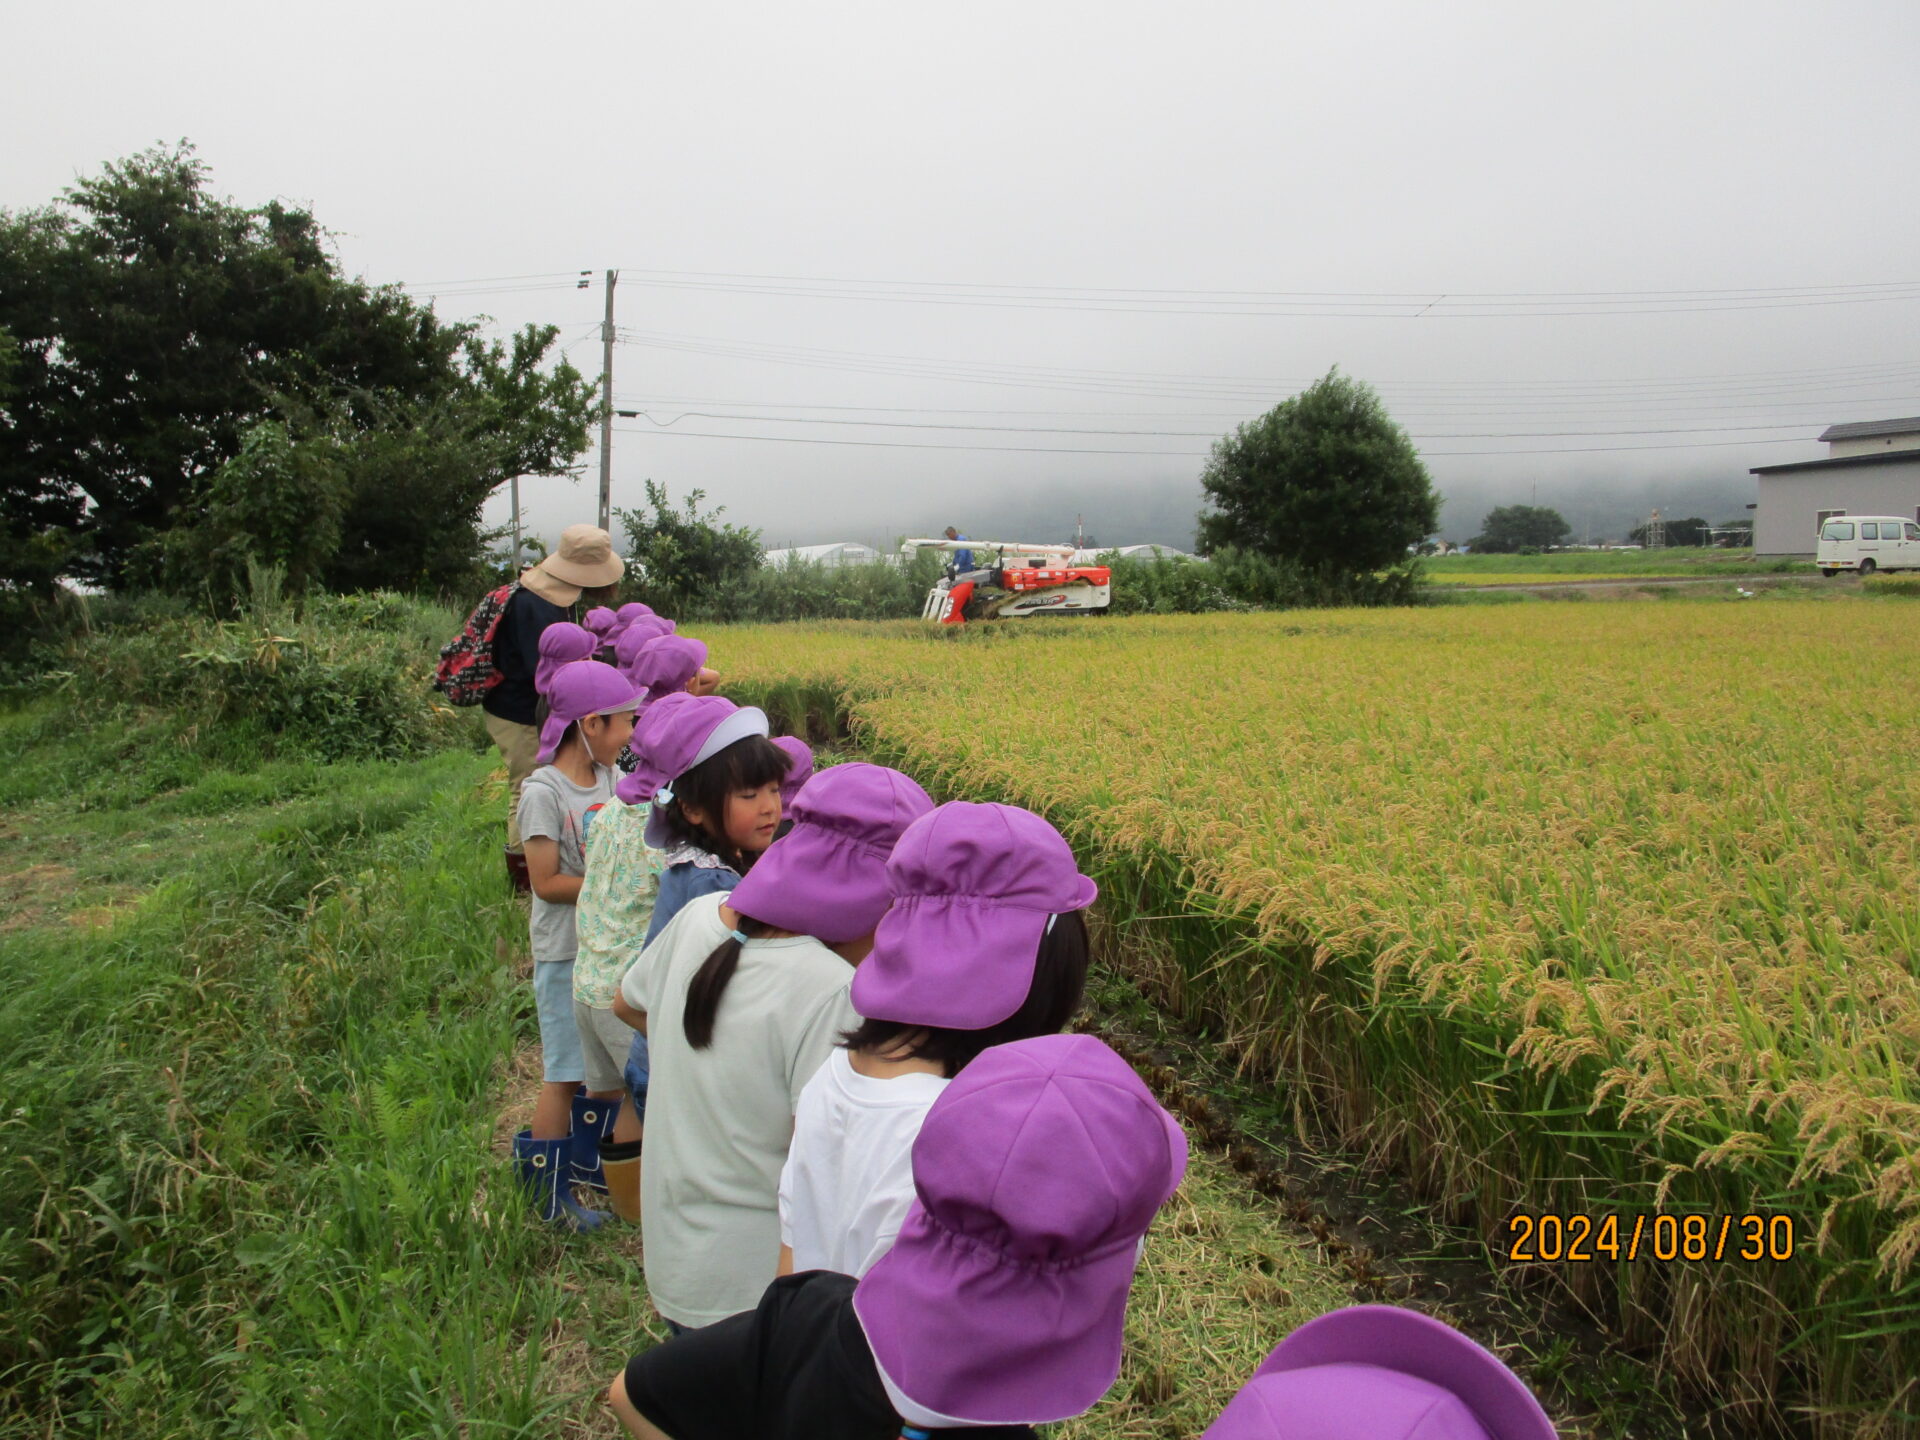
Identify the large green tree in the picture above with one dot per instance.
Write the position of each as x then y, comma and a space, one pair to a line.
152, 326
1509, 528
1324, 481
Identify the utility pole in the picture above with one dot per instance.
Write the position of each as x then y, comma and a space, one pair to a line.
606, 407
513, 493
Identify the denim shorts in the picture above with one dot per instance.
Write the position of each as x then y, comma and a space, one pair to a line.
560, 1058
639, 1071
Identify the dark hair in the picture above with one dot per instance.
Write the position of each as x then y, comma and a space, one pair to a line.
1059, 984
744, 765
709, 983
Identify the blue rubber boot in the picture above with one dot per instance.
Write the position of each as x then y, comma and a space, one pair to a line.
544, 1172
592, 1123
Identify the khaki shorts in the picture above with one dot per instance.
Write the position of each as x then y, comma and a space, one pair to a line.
604, 1041
519, 744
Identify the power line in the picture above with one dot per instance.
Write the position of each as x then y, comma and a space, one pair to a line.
1222, 388
1181, 434
1295, 304
1404, 295
799, 354
1163, 454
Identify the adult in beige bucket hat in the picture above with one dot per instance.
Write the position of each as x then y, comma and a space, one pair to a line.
583, 561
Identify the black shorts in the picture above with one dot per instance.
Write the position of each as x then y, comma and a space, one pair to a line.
797, 1367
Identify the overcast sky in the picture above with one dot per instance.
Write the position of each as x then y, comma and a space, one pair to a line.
1578, 231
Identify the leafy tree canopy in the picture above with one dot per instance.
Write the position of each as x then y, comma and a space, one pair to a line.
1510, 528
1324, 480
152, 329
1690, 531
684, 557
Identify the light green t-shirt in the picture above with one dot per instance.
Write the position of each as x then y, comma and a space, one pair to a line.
616, 901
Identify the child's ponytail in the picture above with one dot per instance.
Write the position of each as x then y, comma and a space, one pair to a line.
1054, 996
710, 983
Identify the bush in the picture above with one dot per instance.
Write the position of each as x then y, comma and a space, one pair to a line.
1271, 583
344, 677
799, 589
1167, 586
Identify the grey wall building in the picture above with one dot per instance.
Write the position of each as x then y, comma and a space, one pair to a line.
1872, 468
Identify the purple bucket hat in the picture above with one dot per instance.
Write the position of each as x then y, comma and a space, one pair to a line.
675, 734
1037, 1172
666, 663
1379, 1372
561, 643
601, 621
974, 888
827, 877
636, 637
586, 687
801, 770
630, 612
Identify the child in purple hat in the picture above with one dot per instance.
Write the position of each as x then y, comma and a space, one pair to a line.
743, 996
561, 643
1001, 1306
849, 1176
708, 779
636, 637
669, 664
662, 664
1380, 1372
590, 715
601, 622
712, 778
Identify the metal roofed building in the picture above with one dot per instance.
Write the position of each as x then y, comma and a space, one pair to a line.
831, 557
1872, 468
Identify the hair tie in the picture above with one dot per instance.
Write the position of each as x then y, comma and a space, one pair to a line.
664, 795
914, 1432
739, 935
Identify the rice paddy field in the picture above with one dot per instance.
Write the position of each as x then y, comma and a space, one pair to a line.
1579, 917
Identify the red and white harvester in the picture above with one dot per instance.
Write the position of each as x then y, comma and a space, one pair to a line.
1010, 580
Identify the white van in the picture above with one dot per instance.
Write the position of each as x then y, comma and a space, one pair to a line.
1866, 543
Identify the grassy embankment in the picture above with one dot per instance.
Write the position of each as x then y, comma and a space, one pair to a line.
1573, 566
1594, 917
259, 1002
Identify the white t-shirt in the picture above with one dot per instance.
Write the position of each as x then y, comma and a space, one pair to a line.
719, 1120
849, 1176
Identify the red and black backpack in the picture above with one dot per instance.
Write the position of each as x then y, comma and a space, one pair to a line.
465, 673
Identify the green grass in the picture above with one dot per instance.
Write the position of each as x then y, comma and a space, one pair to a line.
249, 1186
1605, 564
265, 1018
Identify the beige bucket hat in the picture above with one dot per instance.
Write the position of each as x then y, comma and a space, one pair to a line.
585, 560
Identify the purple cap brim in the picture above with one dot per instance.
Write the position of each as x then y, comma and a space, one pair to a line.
1395, 1338
961, 962
555, 730
974, 1365
815, 882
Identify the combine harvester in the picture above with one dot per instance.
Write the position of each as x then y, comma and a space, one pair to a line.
1018, 581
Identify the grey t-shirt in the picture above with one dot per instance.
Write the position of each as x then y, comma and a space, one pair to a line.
552, 806
719, 1120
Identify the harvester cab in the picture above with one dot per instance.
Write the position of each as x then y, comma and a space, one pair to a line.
1011, 580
